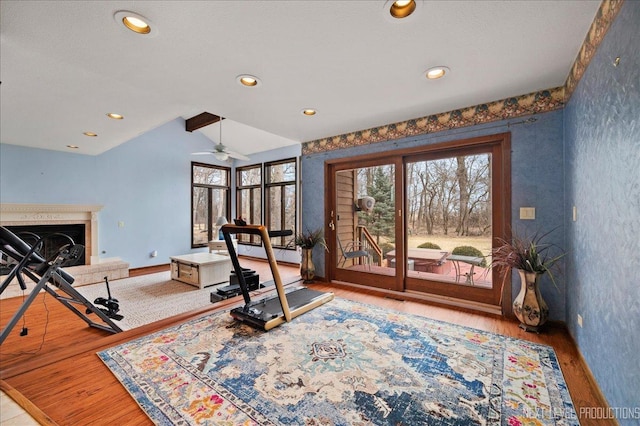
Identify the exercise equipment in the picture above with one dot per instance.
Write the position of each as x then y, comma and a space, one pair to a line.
272, 311
111, 304
47, 273
251, 279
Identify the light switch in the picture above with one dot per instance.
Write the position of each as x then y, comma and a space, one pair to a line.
527, 213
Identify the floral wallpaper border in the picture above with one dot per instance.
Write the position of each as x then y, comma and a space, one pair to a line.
532, 103
606, 14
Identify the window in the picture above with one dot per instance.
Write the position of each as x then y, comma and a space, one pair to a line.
280, 199
210, 192
249, 199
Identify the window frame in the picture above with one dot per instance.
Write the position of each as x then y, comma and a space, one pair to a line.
254, 240
281, 242
210, 188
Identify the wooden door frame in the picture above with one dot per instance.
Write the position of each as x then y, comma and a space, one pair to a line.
501, 145
500, 148
370, 160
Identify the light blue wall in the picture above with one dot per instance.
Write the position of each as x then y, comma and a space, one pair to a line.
602, 137
145, 183
537, 181
30, 175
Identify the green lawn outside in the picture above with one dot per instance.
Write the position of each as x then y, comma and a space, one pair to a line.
449, 242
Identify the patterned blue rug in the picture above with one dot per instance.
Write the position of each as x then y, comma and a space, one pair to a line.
343, 363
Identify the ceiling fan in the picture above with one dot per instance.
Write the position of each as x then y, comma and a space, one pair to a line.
220, 151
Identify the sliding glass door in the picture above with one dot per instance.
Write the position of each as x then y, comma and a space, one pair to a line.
363, 223
422, 220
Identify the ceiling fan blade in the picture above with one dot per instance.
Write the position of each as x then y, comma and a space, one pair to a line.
203, 153
237, 156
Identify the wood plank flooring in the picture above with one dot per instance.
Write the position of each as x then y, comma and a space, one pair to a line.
59, 372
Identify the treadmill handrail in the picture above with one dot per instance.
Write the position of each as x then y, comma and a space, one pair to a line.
261, 230
255, 230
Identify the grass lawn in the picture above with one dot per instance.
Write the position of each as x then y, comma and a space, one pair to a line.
449, 242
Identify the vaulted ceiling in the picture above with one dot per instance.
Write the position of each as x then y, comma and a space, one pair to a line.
65, 64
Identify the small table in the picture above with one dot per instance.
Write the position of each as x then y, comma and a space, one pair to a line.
425, 260
471, 260
200, 269
220, 246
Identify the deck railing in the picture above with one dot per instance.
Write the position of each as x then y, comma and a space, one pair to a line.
368, 243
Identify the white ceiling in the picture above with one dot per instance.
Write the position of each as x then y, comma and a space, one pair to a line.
65, 64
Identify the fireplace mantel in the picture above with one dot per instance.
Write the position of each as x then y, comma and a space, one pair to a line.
12, 214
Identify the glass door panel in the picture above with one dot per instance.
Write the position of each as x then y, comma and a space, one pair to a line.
449, 223
365, 225
433, 214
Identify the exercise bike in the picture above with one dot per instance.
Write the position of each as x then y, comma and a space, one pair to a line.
111, 305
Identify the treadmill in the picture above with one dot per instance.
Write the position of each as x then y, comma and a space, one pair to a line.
282, 307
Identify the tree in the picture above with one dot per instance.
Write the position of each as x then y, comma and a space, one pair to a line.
381, 221
462, 178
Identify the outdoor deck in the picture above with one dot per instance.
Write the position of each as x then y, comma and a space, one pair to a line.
481, 276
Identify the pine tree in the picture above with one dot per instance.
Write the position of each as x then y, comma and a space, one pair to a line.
380, 221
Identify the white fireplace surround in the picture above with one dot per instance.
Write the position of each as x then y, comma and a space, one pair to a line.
64, 214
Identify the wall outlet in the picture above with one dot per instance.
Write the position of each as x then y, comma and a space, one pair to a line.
154, 253
580, 320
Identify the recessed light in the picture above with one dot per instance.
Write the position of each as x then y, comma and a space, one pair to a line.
90, 134
115, 116
248, 80
73, 146
435, 73
309, 112
402, 8
135, 22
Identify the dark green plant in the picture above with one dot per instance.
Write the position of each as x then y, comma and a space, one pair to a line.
429, 245
381, 221
470, 251
530, 254
387, 247
309, 239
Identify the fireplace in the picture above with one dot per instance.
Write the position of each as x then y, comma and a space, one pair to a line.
51, 240
84, 219
39, 218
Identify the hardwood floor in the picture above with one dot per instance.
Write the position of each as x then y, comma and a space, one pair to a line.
55, 367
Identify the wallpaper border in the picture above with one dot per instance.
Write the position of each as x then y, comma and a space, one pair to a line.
606, 15
532, 103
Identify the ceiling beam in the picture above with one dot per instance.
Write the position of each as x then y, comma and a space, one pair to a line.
201, 120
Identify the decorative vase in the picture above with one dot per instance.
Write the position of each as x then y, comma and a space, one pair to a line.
529, 306
307, 270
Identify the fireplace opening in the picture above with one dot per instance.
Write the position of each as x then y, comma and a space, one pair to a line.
52, 243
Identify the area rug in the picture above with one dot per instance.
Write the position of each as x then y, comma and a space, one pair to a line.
343, 363
149, 298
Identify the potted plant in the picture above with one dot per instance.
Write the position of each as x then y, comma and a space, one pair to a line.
532, 257
307, 240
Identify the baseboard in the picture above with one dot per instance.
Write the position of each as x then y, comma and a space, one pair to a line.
593, 383
144, 270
